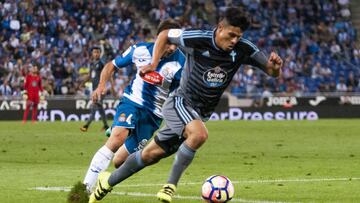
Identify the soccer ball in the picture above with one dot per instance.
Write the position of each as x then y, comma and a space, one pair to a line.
217, 189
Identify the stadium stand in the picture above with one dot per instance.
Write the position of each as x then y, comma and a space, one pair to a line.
316, 38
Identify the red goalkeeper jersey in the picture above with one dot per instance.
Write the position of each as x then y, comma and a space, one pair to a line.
33, 86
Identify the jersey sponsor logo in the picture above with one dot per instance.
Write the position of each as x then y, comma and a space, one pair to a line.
215, 77
174, 33
153, 78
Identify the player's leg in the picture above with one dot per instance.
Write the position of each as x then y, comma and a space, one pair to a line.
27, 109
124, 120
104, 155
102, 114
85, 127
34, 112
184, 121
147, 123
120, 156
151, 154
195, 134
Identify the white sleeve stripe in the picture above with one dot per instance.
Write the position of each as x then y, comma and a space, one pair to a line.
197, 34
182, 43
113, 62
254, 53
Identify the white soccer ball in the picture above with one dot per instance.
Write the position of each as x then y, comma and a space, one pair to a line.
217, 189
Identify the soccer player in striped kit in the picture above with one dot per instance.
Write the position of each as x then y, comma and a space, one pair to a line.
212, 59
138, 114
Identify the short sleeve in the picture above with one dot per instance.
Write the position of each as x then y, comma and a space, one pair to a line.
124, 59
188, 38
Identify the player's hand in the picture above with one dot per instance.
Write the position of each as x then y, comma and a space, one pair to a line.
98, 93
275, 64
41, 96
24, 95
146, 69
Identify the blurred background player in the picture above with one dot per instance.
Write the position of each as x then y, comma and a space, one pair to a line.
138, 114
32, 92
96, 67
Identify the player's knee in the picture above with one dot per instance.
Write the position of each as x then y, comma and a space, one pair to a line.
117, 137
200, 137
196, 140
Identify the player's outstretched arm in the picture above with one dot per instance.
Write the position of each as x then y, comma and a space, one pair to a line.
274, 65
105, 75
159, 50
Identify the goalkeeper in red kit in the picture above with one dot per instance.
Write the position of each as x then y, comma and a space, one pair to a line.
32, 92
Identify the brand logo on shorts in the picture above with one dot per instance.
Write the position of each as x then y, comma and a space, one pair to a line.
215, 77
142, 144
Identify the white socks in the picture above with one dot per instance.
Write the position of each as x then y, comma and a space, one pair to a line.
99, 163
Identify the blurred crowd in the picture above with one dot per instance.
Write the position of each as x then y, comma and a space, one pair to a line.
315, 38
58, 35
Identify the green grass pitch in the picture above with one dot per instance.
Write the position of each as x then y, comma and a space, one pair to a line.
268, 161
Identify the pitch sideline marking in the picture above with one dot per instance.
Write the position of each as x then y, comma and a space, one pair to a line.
248, 182
251, 181
139, 194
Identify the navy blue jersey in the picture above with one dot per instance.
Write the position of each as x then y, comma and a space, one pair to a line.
95, 71
209, 69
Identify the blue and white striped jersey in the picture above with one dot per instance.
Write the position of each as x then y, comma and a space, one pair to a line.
145, 94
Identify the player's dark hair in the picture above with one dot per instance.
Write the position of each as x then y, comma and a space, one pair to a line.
95, 48
236, 17
168, 24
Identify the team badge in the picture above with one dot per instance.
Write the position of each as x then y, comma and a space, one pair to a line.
215, 77
122, 117
34, 83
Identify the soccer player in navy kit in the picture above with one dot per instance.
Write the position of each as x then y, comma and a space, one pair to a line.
96, 67
213, 57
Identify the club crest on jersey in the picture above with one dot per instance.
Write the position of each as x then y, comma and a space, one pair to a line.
215, 77
34, 83
122, 117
